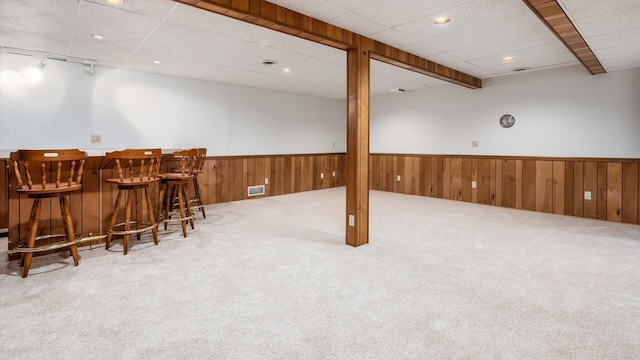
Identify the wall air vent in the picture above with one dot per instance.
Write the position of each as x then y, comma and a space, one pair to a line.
255, 190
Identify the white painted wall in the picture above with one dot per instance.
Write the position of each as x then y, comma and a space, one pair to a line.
562, 112
61, 106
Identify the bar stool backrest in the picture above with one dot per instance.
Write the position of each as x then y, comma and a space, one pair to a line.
202, 155
137, 164
188, 161
43, 170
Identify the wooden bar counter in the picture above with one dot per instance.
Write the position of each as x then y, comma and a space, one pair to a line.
224, 179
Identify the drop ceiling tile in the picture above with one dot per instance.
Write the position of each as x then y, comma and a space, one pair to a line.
310, 48
346, 4
621, 63
390, 14
628, 18
336, 92
35, 42
204, 20
542, 53
390, 36
444, 59
321, 10
119, 28
154, 8
617, 52
526, 23
629, 37
99, 52
494, 48
183, 42
579, 9
51, 18
422, 49
357, 23
319, 71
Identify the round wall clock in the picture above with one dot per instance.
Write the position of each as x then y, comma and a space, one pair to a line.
507, 121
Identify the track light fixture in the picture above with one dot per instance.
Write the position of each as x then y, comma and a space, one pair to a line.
91, 70
43, 63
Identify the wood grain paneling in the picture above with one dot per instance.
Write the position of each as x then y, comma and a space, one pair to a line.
602, 191
537, 184
614, 192
529, 185
630, 190
558, 187
4, 196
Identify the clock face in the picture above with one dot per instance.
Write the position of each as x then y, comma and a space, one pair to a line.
507, 121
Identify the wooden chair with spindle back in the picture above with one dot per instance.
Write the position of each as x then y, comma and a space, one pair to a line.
137, 169
195, 201
67, 166
176, 185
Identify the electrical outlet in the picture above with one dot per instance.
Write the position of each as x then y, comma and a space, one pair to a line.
352, 220
266, 181
321, 175
474, 185
96, 139
474, 143
333, 174
398, 178
587, 195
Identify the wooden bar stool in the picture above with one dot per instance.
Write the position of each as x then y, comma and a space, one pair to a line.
176, 185
195, 201
67, 167
137, 169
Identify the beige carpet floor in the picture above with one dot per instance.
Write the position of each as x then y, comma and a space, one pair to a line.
272, 279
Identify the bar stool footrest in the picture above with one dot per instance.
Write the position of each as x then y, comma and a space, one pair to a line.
146, 224
22, 249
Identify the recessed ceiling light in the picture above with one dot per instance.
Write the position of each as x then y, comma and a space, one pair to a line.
115, 2
286, 70
508, 58
96, 36
156, 62
269, 62
441, 20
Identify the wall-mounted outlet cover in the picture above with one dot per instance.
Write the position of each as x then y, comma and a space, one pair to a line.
96, 139
266, 181
398, 178
352, 220
474, 185
321, 175
475, 143
587, 195
333, 174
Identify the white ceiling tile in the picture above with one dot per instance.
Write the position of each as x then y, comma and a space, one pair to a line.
525, 23
619, 63
617, 52
337, 92
30, 41
523, 56
183, 42
104, 52
358, 24
119, 28
50, 18
444, 59
390, 36
345, 4
153, 8
518, 41
616, 38
423, 49
579, 9
319, 9
628, 18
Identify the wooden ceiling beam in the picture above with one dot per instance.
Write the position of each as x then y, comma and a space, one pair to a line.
554, 17
278, 18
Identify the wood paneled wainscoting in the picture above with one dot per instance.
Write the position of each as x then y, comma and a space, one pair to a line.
224, 179
551, 185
